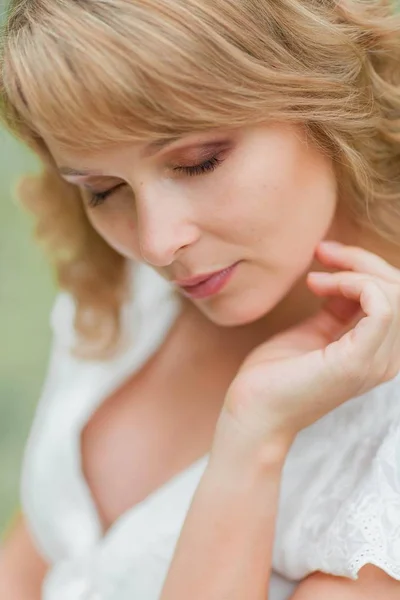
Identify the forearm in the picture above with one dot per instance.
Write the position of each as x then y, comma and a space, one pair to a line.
21, 568
225, 549
371, 584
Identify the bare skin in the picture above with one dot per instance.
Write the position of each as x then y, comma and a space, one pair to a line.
22, 569
167, 397
154, 402
158, 418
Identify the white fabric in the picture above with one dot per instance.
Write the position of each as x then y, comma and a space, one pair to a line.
340, 498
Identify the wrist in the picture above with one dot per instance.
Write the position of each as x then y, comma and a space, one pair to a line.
235, 443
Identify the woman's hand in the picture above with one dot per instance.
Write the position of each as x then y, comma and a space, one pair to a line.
346, 349
351, 345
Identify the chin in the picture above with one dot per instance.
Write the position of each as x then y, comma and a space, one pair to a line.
234, 311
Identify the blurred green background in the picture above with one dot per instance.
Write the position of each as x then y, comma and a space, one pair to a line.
26, 296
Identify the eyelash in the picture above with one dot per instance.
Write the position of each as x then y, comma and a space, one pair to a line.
209, 165
98, 198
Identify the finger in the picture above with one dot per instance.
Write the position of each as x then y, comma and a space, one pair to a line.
372, 332
352, 285
371, 346
360, 359
338, 314
336, 318
356, 259
349, 285
343, 310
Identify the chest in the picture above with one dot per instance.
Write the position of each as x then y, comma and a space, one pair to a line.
160, 421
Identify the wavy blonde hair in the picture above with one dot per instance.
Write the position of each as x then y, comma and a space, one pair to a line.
85, 73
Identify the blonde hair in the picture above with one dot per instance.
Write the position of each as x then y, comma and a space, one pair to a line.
85, 73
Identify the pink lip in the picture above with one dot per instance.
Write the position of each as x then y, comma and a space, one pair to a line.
207, 285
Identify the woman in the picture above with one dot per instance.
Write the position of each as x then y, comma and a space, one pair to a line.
220, 200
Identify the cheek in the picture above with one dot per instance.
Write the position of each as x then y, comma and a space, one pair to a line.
237, 209
252, 197
284, 200
117, 230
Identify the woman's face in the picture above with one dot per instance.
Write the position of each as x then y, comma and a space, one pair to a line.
255, 201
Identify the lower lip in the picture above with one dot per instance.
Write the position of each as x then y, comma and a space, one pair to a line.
210, 286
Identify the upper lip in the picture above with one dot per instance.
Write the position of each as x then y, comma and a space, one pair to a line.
191, 281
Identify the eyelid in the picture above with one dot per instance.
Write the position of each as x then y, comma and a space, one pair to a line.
196, 154
115, 186
204, 167
97, 198
183, 146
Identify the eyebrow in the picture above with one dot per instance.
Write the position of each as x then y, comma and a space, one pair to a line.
158, 145
150, 149
76, 173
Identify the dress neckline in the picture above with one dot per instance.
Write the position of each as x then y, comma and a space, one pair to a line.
148, 317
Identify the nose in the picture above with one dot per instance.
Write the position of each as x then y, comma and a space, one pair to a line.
164, 227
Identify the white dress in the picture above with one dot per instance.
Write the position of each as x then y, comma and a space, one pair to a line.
340, 498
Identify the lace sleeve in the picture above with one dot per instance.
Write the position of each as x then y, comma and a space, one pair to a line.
342, 536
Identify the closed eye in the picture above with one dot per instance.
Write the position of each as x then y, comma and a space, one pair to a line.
209, 165
97, 198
